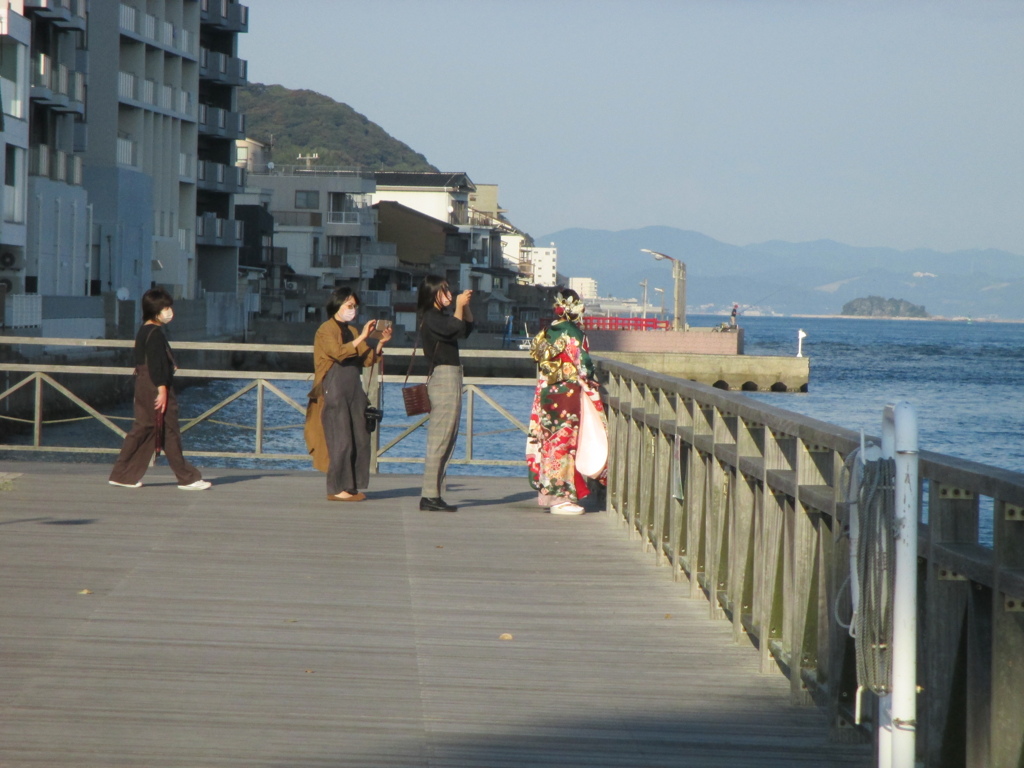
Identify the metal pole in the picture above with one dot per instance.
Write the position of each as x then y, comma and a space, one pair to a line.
904, 636
678, 295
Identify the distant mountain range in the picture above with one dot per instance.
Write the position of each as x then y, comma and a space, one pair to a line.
815, 278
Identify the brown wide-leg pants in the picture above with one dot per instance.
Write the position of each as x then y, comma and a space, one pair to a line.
140, 443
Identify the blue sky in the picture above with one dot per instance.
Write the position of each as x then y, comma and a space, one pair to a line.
893, 123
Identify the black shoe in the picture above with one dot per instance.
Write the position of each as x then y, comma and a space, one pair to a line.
435, 505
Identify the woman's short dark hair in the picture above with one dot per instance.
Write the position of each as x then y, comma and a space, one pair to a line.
430, 287
155, 301
338, 297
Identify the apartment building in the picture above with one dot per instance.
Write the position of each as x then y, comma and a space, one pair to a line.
15, 48
44, 239
160, 160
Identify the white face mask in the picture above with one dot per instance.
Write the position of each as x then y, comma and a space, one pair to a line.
347, 314
166, 315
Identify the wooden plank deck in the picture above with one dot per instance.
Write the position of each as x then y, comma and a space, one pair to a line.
258, 625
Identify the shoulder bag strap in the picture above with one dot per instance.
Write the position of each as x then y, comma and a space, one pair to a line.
415, 342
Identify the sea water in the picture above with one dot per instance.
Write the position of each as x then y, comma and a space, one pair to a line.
964, 380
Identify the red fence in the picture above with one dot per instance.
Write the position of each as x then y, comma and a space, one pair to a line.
594, 323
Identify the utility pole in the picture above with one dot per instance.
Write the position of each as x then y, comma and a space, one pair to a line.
309, 159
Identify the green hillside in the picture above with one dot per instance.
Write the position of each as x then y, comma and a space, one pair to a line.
305, 122
876, 306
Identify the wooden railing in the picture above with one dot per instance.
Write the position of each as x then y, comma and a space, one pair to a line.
747, 503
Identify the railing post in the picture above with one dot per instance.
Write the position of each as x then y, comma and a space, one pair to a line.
259, 417
37, 421
469, 424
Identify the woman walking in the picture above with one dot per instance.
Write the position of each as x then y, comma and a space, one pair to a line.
439, 336
336, 433
565, 378
156, 406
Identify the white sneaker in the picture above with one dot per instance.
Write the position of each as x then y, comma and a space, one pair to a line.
198, 485
126, 485
567, 508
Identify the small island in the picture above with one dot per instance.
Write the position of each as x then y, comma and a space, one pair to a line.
876, 306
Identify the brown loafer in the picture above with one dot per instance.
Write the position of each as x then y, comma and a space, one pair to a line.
358, 497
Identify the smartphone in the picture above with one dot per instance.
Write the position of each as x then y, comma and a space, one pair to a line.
378, 331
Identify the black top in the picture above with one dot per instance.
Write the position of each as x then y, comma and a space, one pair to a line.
153, 351
439, 337
347, 337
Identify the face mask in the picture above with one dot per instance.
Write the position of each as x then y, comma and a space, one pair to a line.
347, 314
166, 315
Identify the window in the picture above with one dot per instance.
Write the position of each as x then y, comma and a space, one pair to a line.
306, 199
316, 261
11, 168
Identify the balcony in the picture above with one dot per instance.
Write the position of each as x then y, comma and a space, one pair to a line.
11, 94
127, 152
220, 122
211, 230
154, 31
54, 164
224, 15
185, 164
216, 177
67, 14
223, 69
354, 222
297, 218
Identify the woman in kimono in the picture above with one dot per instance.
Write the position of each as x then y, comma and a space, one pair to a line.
336, 433
565, 377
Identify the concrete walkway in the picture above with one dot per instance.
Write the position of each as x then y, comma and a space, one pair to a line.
258, 625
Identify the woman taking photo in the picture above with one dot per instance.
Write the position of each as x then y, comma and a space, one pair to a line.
439, 336
565, 378
336, 432
156, 407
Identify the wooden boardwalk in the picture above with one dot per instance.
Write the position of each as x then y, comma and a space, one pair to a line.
258, 625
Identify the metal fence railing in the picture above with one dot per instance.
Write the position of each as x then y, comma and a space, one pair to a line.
31, 391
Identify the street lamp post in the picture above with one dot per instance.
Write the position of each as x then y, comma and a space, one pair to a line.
678, 289
643, 309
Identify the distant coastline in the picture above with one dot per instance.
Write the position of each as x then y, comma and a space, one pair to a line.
909, 319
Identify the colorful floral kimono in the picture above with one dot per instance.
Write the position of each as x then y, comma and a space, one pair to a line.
563, 360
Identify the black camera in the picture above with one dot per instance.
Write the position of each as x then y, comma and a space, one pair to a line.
373, 417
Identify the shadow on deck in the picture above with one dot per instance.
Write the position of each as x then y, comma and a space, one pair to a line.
257, 624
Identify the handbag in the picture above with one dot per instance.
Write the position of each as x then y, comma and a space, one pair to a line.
592, 439
415, 396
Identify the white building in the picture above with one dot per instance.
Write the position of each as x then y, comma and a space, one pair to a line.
586, 287
544, 264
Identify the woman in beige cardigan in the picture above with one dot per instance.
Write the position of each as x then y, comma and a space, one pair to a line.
336, 433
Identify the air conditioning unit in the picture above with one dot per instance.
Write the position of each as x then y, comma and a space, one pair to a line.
291, 285
9, 260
